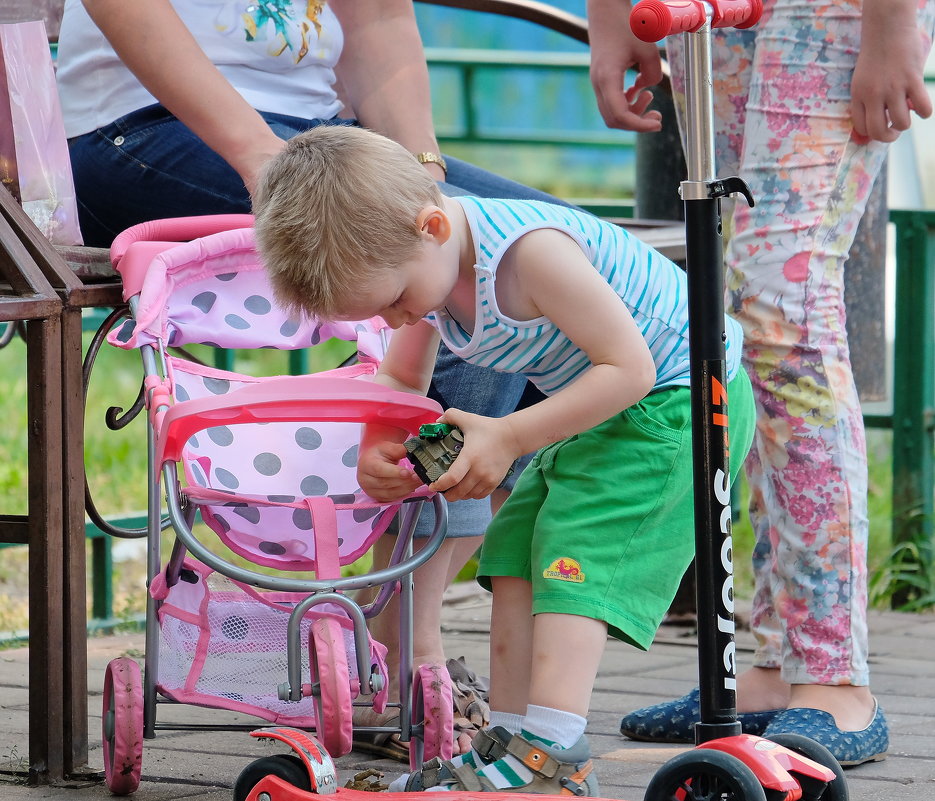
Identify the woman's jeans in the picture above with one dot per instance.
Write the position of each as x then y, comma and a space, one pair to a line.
148, 166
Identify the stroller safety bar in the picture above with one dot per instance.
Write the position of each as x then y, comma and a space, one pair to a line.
177, 229
292, 399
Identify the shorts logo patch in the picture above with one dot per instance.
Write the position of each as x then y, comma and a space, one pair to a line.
564, 569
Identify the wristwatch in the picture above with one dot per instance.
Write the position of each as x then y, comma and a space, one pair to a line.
432, 158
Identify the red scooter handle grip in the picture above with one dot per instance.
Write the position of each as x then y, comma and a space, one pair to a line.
652, 20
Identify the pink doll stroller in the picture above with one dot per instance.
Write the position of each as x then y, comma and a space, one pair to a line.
258, 619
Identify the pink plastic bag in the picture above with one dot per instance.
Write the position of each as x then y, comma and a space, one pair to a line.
34, 162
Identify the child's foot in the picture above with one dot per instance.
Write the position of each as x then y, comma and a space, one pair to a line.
531, 766
488, 746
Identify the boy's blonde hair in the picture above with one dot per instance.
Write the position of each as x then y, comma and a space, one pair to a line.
332, 209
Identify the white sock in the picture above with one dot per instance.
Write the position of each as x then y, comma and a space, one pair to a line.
510, 721
556, 726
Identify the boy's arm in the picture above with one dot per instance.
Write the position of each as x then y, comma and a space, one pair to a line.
408, 367
552, 277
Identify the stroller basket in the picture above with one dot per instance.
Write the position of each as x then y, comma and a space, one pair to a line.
222, 644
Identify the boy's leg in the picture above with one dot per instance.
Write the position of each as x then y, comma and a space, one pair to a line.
566, 653
511, 642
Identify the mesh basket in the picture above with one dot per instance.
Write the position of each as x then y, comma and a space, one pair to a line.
222, 644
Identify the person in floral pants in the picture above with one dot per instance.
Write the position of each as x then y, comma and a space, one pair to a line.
806, 103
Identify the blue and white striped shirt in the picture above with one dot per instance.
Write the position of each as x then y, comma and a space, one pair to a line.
652, 287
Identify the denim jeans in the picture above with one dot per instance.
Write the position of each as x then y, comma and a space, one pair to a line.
147, 166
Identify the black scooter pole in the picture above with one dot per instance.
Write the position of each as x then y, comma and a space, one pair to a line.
701, 193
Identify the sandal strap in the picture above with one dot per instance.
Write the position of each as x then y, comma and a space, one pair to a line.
537, 760
489, 747
467, 779
575, 784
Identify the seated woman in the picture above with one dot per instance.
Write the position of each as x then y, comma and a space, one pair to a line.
148, 142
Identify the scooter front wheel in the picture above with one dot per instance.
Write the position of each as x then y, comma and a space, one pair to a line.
122, 725
287, 767
704, 775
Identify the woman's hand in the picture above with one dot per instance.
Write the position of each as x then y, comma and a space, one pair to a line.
614, 50
888, 79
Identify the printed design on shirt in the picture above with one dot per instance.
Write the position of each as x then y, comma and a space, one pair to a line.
564, 569
278, 13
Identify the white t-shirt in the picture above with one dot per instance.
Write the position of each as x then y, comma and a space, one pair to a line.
277, 56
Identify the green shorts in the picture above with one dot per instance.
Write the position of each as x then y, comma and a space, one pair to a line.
601, 523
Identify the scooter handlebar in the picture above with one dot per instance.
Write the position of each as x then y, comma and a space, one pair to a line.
652, 20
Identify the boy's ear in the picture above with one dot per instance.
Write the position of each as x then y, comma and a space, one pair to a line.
434, 221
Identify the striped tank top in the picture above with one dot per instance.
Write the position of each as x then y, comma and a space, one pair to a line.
652, 287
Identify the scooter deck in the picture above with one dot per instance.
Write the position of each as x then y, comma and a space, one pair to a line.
275, 789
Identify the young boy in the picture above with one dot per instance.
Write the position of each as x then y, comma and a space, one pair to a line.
598, 530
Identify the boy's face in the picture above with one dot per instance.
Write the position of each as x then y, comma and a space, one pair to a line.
405, 294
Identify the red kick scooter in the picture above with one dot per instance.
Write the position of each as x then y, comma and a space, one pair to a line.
725, 765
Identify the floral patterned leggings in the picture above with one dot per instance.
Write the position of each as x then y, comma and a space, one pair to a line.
783, 124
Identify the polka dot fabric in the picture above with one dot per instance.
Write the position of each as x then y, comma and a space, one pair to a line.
251, 481
214, 291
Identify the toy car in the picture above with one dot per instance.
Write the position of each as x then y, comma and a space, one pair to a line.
434, 450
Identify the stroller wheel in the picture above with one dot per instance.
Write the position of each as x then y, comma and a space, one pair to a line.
333, 704
287, 767
702, 775
432, 713
122, 725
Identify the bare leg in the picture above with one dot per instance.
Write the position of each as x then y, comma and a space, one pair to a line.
526, 665
510, 644
566, 654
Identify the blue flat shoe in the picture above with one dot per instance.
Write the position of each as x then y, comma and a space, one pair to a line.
849, 748
674, 721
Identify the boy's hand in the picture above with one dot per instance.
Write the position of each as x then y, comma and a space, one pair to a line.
380, 474
487, 456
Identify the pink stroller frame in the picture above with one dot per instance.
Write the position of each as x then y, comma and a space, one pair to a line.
269, 464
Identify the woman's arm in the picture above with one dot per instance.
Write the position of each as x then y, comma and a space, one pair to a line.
383, 74
888, 78
159, 50
614, 50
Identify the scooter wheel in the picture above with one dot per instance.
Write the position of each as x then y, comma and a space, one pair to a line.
287, 767
704, 775
432, 709
835, 790
122, 725
334, 708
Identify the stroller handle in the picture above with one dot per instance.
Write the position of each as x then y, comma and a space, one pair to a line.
176, 229
290, 399
652, 20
